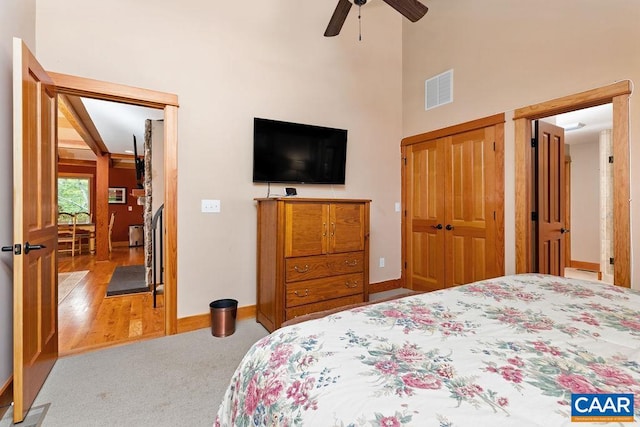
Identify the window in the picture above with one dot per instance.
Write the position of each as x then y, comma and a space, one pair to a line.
74, 194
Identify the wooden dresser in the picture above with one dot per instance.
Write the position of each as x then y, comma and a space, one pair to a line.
313, 255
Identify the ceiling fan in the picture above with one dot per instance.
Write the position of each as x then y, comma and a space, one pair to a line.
413, 10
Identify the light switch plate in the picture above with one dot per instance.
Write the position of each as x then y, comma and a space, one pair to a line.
210, 206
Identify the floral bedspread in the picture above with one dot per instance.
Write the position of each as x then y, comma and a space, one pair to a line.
505, 351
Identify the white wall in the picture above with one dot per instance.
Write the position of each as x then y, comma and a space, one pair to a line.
229, 62
585, 201
508, 55
17, 19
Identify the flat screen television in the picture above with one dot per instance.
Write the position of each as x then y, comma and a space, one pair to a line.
297, 153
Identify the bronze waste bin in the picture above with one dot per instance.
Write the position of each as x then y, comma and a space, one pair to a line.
223, 317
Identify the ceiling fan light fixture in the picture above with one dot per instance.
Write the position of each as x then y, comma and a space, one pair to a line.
572, 126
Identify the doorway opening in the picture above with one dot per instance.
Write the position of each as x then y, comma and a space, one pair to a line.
122, 283
167, 188
584, 189
618, 95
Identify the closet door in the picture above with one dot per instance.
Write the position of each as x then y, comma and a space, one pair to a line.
470, 212
424, 228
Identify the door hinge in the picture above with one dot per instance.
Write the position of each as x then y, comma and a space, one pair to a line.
534, 216
405, 212
494, 215
611, 260
405, 265
404, 159
610, 159
534, 143
494, 146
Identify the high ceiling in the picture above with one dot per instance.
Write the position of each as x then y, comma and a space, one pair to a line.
88, 126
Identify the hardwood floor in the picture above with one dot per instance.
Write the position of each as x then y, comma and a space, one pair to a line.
88, 319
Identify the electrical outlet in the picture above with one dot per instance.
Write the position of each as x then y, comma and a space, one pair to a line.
397, 206
210, 206
381, 262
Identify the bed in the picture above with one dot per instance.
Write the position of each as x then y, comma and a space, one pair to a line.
505, 351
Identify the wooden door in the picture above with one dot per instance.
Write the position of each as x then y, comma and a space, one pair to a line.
306, 228
35, 310
551, 198
424, 210
470, 197
346, 229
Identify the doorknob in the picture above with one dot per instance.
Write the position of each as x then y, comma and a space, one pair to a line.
28, 247
564, 230
437, 227
449, 227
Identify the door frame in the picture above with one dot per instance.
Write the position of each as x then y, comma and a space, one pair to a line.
80, 86
618, 94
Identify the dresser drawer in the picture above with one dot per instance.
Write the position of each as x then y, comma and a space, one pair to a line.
300, 310
313, 267
310, 291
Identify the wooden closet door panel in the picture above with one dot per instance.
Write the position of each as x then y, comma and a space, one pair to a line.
425, 216
470, 222
306, 228
551, 198
346, 228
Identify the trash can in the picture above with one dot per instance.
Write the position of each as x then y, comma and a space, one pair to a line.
223, 317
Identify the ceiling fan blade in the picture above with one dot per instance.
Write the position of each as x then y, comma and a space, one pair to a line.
413, 10
338, 18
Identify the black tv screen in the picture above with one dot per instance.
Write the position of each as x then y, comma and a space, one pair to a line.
298, 153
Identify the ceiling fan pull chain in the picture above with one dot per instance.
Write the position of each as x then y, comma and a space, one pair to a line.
359, 25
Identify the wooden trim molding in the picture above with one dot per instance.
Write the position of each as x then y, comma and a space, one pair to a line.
6, 396
200, 321
452, 130
385, 286
589, 98
81, 86
584, 265
617, 94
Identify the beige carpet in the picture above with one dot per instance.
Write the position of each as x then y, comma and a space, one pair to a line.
177, 380
67, 282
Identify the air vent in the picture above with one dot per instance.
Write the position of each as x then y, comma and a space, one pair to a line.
438, 90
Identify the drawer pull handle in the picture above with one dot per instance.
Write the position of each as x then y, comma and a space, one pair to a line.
349, 285
351, 263
301, 270
306, 293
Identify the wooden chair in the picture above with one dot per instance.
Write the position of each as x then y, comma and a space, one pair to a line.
82, 235
111, 221
67, 238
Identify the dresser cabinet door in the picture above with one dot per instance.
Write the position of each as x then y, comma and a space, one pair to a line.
306, 229
346, 228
